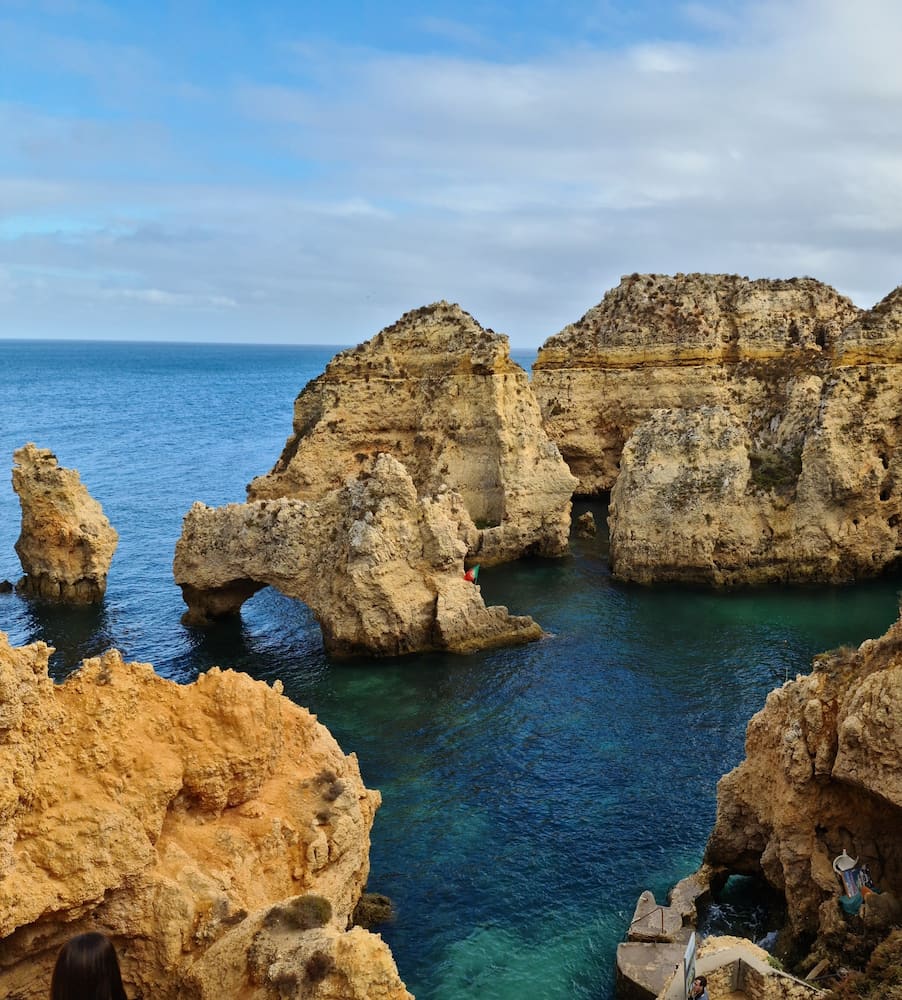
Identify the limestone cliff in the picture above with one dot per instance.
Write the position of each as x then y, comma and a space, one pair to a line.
200, 826
757, 440
823, 774
381, 568
442, 395
685, 341
66, 544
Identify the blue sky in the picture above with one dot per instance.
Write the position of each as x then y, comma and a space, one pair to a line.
305, 173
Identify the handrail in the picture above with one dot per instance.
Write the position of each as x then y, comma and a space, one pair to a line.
660, 908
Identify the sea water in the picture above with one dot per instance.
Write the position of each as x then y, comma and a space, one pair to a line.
529, 794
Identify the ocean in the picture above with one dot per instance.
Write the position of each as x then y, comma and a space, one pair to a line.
529, 794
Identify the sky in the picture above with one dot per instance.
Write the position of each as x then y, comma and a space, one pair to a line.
300, 172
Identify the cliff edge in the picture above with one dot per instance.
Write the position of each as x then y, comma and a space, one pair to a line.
823, 775
215, 831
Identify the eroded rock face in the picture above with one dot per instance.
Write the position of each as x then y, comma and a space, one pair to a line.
381, 568
193, 824
681, 509
776, 455
440, 394
66, 544
822, 774
685, 341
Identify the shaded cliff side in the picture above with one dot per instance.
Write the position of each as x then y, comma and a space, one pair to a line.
823, 775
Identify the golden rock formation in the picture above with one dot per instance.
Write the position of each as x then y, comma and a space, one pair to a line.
751, 430
442, 395
381, 568
66, 544
822, 775
199, 826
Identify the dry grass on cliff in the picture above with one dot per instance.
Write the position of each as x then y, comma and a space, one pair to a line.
882, 977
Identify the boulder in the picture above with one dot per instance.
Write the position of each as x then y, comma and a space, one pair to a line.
66, 544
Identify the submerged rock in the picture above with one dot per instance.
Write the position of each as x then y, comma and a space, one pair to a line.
215, 831
381, 568
66, 544
442, 395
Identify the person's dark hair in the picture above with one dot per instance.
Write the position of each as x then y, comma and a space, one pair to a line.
87, 969
703, 981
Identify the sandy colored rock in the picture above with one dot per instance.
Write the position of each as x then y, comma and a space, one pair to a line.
822, 774
381, 568
777, 458
685, 341
66, 544
442, 395
182, 821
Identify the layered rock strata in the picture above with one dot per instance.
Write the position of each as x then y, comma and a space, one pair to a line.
66, 544
215, 831
381, 568
442, 395
759, 348
822, 775
761, 434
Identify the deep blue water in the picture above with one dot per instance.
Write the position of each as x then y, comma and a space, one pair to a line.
529, 794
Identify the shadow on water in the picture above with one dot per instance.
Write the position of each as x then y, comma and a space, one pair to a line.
75, 631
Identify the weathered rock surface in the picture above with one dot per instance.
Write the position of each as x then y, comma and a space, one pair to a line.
685, 341
216, 831
442, 395
822, 774
775, 450
380, 567
66, 544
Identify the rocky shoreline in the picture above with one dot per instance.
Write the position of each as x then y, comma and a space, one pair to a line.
750, 432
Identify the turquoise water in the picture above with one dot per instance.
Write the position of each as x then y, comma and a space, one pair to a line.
529, 794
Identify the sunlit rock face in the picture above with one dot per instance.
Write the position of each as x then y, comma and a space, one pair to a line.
442, 395
215, 831
822, 775
798, 477
66, 544
381, 568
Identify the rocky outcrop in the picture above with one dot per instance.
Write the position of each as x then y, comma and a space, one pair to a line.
215, 831
774, 453
758, 348
66, 544
381, 568
442, 395
823, 774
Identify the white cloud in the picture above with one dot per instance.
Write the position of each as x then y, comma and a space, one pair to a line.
773, 147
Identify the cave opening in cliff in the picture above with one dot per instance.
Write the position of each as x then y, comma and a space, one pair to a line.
744, 906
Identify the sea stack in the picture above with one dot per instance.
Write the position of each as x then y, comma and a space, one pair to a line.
441, 395
215, 831
67, 543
